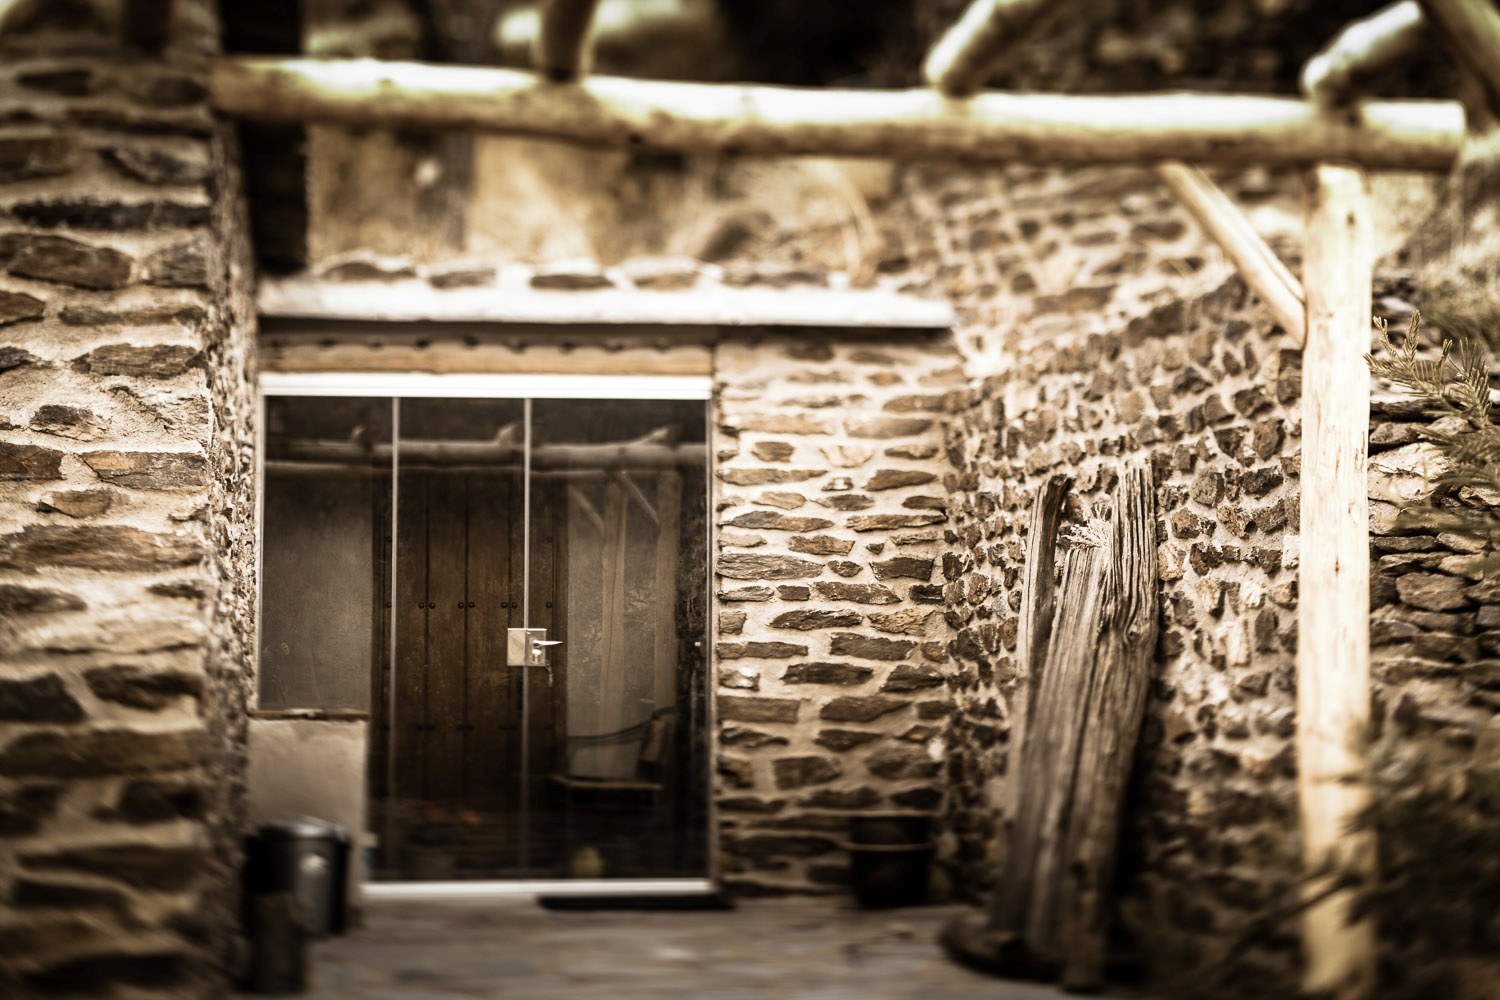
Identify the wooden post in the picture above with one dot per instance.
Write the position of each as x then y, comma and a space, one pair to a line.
919, 124
1363, 47
1258, 264
1333, 617
562, 44
963, 57
1472, 28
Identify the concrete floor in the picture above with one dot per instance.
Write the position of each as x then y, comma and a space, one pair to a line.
764, 950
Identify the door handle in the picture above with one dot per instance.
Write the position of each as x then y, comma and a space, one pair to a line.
527, 647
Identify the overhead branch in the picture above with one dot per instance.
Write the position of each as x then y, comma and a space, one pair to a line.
563, 41
920, 124
1265, 273
1362, 48
1472, 28
961, 60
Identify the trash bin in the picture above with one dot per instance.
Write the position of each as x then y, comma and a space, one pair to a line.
309, 859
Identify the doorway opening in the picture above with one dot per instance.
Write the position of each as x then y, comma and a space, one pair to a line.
509, 575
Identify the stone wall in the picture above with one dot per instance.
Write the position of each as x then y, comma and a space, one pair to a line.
831, 649
126, 507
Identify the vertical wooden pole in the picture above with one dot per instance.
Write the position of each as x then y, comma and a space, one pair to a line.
1333, 618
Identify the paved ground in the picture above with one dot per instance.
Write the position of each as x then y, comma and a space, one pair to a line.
763, 950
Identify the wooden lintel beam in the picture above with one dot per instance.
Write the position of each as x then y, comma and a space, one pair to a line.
1265, 273
1472, 29
562, 43
1333, 616
919, 124
961, 60
1362, 48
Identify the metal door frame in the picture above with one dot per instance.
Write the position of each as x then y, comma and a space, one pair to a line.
411, 385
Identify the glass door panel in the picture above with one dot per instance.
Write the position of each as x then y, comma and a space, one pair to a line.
619, 535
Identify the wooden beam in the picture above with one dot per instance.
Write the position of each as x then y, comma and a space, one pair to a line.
1472, 29
962, 59
1363, 47
1265, 273
1333, 617
784, 121
563, 42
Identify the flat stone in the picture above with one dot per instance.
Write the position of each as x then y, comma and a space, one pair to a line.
799, 772
24, 808
914, 451
750, 739
78, 503
100, 752
750, 804
181, 314
845, 568
110, 547
861, 708
785, 500
149, 470
149, 361
157, 166
155, 801
748, 708
840, 740
31, 893
661, 274
827, 673
109, 214
66, 421
753, 566
38, 699
770, 520
462, 274
901, 762
928, 710
847, 501
847, 456
773, 451
737, 772
903, 568
924, 799
750, 594
18, 600
731, 622
809, 620
740, 539
25, 157
887, 522
793, 592
837, 798
144, 866
909, 677
1082, 298
890, 479
1432, 591
780, 423
820, 545
14, 357
759, 650
857, 593
886, 427
870, 647
145, 689
908, 621
18, 307
838, 484
29, 461
925, 503
570, 276
767, 477
186, 265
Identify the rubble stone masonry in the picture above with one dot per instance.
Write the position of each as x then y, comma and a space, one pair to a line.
127, 564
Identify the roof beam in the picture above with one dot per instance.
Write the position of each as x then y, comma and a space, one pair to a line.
783, 121
962, 59
1472, 29
1265, 273
1363, 47
562, 44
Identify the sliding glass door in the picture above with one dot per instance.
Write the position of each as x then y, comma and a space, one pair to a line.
515, 589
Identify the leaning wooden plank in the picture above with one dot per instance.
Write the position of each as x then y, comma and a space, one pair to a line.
961, 60
1257, 263
783, 121
563, 42
1472, 28
1111, 728
1333, 619
1361, 49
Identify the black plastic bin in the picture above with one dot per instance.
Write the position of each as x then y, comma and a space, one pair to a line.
308, 859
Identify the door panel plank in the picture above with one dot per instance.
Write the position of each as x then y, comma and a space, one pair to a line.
446, 654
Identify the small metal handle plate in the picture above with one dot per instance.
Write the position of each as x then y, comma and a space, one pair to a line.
527, 647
